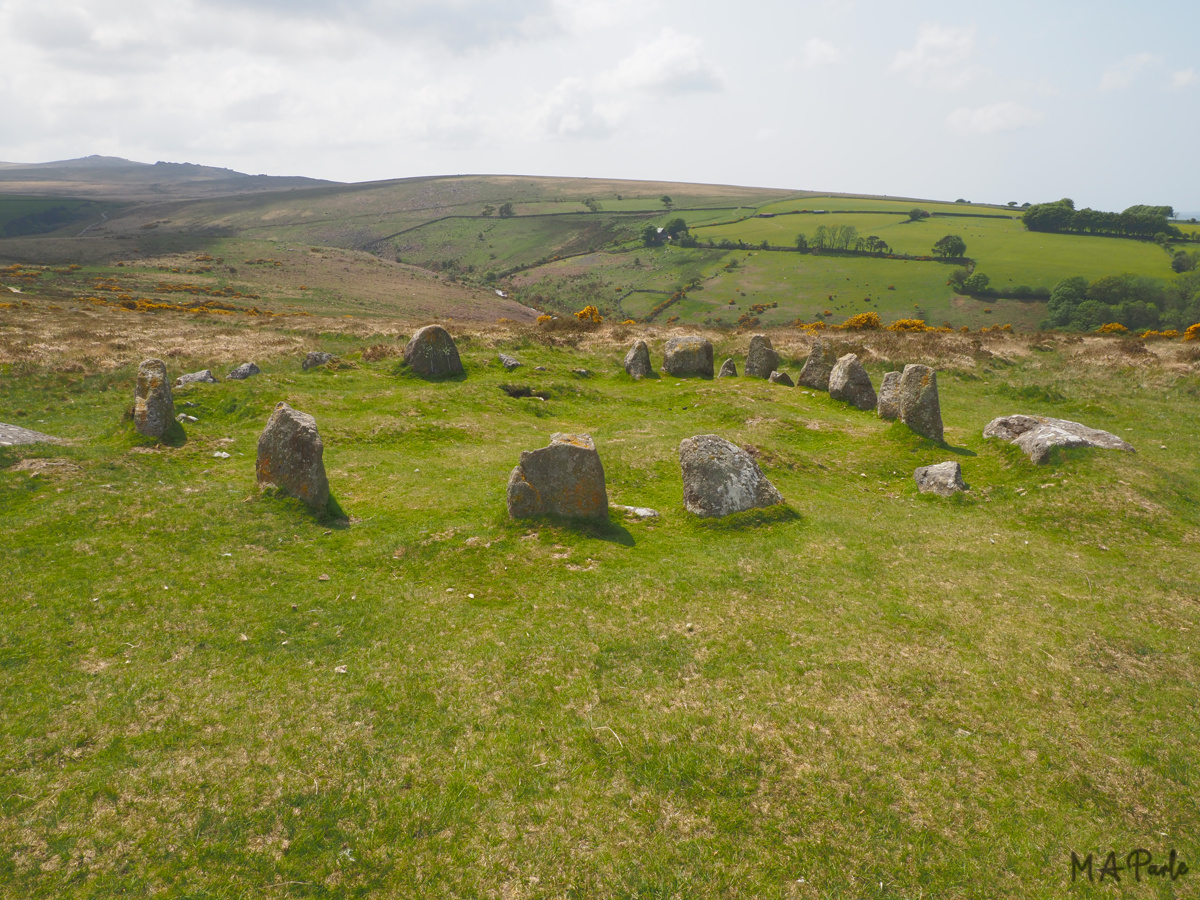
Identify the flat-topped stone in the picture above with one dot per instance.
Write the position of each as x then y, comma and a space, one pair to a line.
1037, 436
943, 479
204, 376
761, 360
153, 405
13, 435
888, 405
691, 355
720, 478
563, 479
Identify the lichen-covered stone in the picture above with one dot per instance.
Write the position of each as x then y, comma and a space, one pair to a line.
637, 361
943, 479
509, 362
316, 358
290, 456
432, 353
782, 378
728, 369
918, 403
1038, 435
153, 405
205, 376
818, 366
888, 405
762, 359
720, 478
245, 370
850, 383
691, 355
563, 479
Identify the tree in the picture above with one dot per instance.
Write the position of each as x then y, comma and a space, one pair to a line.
916, 215
675, 228
651, 236
976, 284
488, 209
506, 211
950, 247
591, 204
666, 201
801, 242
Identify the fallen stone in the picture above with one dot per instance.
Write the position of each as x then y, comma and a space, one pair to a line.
888, 405
242, 372
220, 454
432, 353
762, 360
728, 369
184, 417
582, 373
539, 368
205, 376
850, 382
637, 360
636, 512
316, 358
944, 479
918, 402
12, 435
1038, 435
720, 478
153, 406
290, 456
818, 366
685, 356
509, 362
563, 479
782, 378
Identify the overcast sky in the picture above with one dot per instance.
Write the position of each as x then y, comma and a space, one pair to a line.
1012, 100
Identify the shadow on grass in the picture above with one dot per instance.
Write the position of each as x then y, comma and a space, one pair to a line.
332, 516
610, 531
174, 436
751, 518
405, 371
915, 443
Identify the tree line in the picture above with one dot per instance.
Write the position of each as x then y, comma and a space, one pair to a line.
1061, 216
1135, 301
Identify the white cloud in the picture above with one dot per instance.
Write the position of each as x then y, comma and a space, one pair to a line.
672, 63
940, 57
1006, 116
584, 16
571, 110
818, 52
1183, 78
1121, 74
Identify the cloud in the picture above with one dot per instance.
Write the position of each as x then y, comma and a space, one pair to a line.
1183, 78
1006, 116
1121, 74
818, 52
672, 63
941, 56
571, 110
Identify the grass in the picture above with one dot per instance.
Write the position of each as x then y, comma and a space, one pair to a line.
869, 687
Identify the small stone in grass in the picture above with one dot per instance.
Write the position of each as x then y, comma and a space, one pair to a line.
220, 454
341, 670
320, 578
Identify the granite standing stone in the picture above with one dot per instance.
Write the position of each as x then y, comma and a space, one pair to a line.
432, 353
918, 402
944, 479
1038, 435
290, 456
888, 406
728, 369
850, 382
153, 405
563, 479
316, 358
637, 361
818, 367
690, 355
245, 370
762, 359
720, 478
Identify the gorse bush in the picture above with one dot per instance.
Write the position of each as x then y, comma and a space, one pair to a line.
867, 321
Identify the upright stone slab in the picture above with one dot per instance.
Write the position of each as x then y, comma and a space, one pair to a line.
684, 356
720, 478
888, 406
316, 358
917, 399
432, 353
850, 382
944, 479
290, 456
564, 479
728, 369
1038, 435
153, 405
637, 361
782, 378
762, 359
818, 367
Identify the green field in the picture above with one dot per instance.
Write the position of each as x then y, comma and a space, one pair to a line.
33, 215
209, 691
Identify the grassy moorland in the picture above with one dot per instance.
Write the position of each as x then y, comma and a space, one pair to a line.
206, 690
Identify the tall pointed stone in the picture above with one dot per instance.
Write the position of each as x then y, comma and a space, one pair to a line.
762, 359
818, 367
153, 405
918, 403
850, 382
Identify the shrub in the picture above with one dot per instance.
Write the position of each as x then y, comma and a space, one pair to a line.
589, 314
909, 325
542, 320
1193, 333
867, 321
1112, 328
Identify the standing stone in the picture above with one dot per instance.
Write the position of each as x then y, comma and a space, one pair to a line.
290, 456
564, 479
818, 366
944, 479
432, 354
889, 405
316, 358
918, 402
205, 376
720, 478
153, 405
850, 382
762, 360
509, 362
728, 369
782, 378
690, 355
245, 370
637, 361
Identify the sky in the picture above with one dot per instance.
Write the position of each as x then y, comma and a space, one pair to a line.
987, 101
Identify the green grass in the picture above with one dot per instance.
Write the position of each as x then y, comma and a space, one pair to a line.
675, 708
